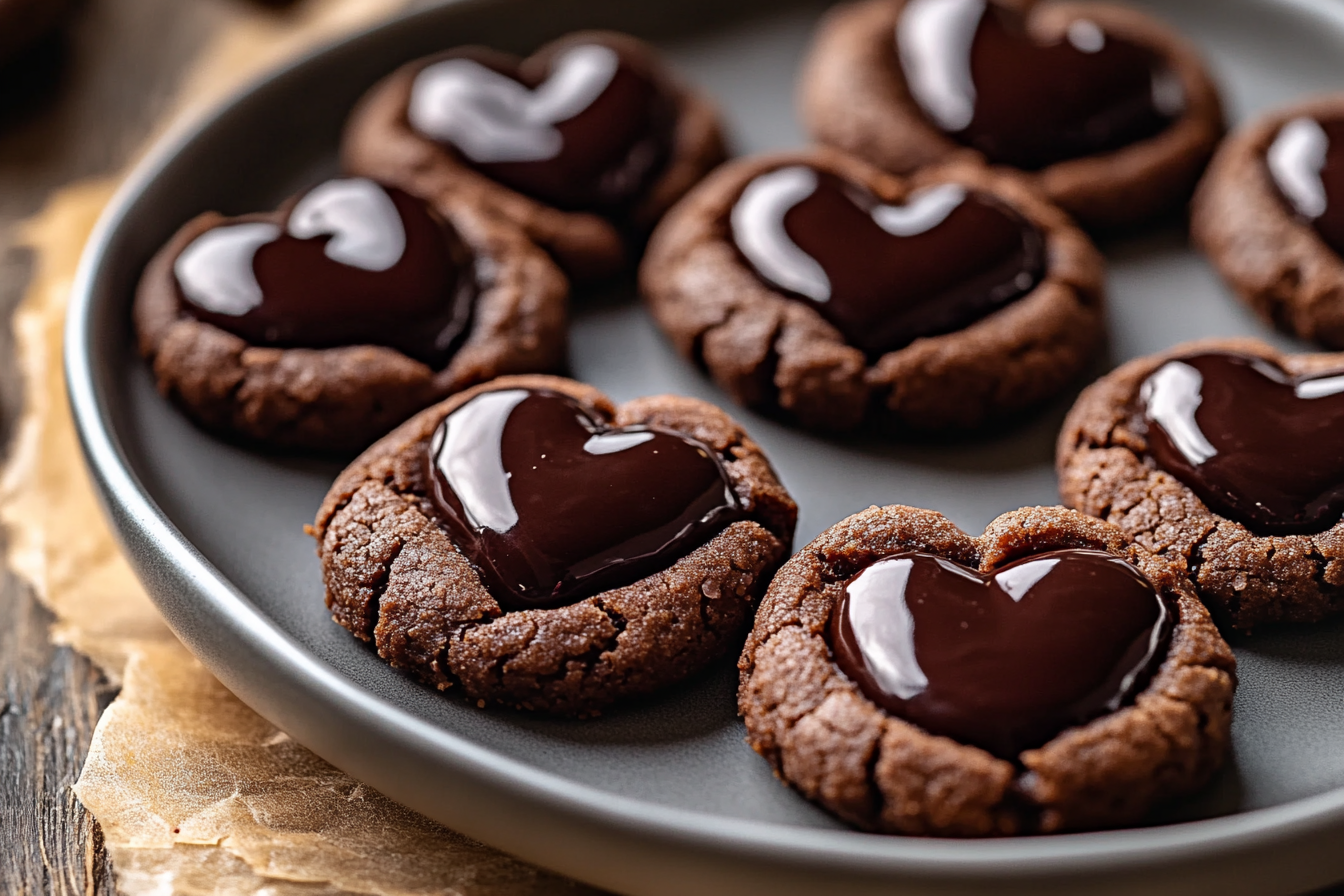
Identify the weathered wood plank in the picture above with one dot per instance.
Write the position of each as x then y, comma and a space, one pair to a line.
121, 66
50, 700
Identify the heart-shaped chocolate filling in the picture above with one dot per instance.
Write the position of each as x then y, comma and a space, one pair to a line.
975, 70
587, 127
350, 263
1306, 161
1255, 444
553, 505
1005, 660
886, 275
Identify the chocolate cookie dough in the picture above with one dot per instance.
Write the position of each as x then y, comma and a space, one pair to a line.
812, 283
1110, 113
542, 548
1047, 676
1222, 456
324, 324
1270, 216
585, 144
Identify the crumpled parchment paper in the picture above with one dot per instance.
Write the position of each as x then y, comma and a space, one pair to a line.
195, 793
190, 786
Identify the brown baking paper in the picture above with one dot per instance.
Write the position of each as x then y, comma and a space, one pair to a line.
196, 793
181, 771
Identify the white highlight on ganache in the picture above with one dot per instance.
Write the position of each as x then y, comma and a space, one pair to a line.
365, 227
923, 211
884, 627
1086, 36
467, 452
615, 442
1154, 641
215, 271
1171, 396
492, 118
1018, 580
1320, 388
757, 221
933, 39
1295, 159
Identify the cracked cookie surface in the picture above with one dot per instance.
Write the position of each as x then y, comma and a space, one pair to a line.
1246, 579
380, 142
1275, 262
394, 578
881, 773
341, 399
771, 351
853, 95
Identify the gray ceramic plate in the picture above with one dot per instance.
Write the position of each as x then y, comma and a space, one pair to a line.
665, 797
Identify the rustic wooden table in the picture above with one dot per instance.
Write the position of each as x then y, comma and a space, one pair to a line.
96, 100
77, 109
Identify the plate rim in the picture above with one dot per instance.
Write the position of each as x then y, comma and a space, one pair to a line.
138, 523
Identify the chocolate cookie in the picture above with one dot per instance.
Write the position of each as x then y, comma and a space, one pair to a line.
1047, 676
545, 549
1270, 216
324, 324
585, 144
1222, 456
813, 283
1109, 112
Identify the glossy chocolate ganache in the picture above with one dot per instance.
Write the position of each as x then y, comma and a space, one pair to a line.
886, 275
977, 71
1306, 161
553, 505
1002, 660
1257, 445
350, 263
587, 128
